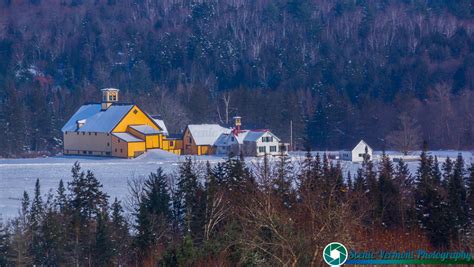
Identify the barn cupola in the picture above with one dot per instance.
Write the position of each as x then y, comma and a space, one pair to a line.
109, 96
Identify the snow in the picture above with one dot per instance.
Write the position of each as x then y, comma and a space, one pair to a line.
127, 137
145, 129
18, 175
97, 120
206, 134
162, 125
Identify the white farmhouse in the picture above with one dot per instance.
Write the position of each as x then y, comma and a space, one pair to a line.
357, 153
249, 143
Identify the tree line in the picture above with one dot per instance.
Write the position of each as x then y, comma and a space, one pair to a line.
275, 212
340, 70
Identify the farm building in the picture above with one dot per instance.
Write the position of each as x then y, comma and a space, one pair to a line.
249, 142
114, 129
357, 153
199, 139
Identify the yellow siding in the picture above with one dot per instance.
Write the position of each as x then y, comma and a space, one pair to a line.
189, 147
134, 117
135, 149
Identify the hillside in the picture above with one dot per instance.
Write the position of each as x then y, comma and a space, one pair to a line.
392, 72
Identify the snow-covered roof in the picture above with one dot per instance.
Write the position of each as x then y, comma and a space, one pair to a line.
127, 137
162, 125
145, 129
206, 134
254, 135
96, 119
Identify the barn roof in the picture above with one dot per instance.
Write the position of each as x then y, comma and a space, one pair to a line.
95, 119
162, 125
206, 134
145, 129
127, 137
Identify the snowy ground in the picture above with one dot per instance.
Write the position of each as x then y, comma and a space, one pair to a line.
18, 175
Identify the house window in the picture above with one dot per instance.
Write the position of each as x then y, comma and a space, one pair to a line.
95, 134
361, 155
108, 144
273, 149
171, 143
89, 133
107, 153
107, 134
115, 150
83, 133
110, 97
90, 152
66, 133
262, 149
232, 139
84, 152
264, 139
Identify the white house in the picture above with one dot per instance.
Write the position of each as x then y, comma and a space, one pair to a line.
249, 142
357, 153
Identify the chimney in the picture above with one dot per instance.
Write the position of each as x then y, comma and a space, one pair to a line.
238, 123
109, 96
80, 123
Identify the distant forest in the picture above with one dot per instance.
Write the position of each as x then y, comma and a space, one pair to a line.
393, 72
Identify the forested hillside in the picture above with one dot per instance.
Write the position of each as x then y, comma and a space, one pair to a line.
392, 72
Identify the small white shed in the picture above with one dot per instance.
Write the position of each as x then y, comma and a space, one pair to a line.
357, 153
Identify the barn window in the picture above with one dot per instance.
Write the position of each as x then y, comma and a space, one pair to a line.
190, 140
135, 112
121, 150
171, 143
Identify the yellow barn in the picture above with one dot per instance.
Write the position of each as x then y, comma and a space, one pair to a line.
114, 129
199, 139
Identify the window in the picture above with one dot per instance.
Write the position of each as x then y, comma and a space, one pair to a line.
171, 143
66, 133
135, 112
83, 152
83, 133
107, 134
90, 152
77, 133
107, 153
108, 144
121, 150
190, 140
264, 139
232, 139
115, 150
119, 140
89, 133
95, 134
262, 149
273, 149
110, 98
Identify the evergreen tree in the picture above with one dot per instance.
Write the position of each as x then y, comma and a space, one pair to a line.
103, 250
389, 196
458, 209
35, 219
4, 246
153, 214
404, 180
470, 201
119, 233
430, 206
282, 187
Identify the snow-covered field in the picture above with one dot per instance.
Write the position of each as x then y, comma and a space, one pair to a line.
18, 175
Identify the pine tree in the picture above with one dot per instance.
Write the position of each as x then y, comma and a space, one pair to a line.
188, 190
36, 216
103, 252
153, 214
405, 182
458, 209
389, 196
470, 202
4, 245
430, 206
119, 234
282, 187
